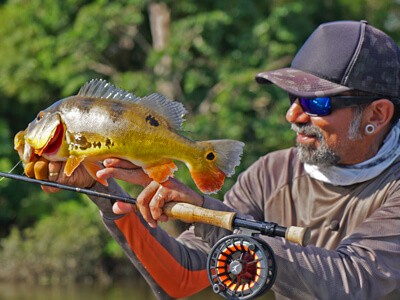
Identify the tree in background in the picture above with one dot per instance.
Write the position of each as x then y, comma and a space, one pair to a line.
204, 54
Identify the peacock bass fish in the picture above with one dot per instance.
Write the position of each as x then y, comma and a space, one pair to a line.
104, 121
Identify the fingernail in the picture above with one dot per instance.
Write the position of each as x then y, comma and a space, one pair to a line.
153, 225
107, 161
100, 172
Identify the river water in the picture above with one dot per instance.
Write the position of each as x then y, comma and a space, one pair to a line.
137, 290
133, 290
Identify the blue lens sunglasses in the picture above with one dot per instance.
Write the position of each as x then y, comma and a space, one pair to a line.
323, 106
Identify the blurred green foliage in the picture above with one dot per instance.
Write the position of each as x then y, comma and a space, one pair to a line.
71, 232
49, 48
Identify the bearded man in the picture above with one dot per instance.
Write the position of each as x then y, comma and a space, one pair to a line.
342, 181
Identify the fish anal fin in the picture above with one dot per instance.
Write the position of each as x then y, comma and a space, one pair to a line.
162, 172
72, 163
208, 181
92, 167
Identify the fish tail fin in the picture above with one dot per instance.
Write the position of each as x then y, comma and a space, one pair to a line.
220, 159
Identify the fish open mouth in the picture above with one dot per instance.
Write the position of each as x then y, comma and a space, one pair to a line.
54, 144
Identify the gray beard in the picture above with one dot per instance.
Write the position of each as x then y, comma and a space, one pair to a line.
322, 156
325, 156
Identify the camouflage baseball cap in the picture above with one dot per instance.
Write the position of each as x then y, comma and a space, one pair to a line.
341, 56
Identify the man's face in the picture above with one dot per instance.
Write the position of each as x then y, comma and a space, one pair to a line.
314, 153
328, 140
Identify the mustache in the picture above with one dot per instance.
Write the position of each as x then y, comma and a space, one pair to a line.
305, 129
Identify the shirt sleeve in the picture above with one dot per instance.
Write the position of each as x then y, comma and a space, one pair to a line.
174, 268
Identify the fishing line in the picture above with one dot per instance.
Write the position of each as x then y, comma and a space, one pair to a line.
12, 169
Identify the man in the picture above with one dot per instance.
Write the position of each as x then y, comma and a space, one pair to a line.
342, 181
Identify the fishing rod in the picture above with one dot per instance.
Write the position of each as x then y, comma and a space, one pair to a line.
240, 266
68, 187
190, 213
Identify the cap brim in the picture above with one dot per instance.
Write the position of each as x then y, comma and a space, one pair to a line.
301, 83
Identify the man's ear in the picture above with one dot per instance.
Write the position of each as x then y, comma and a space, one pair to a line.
379, 113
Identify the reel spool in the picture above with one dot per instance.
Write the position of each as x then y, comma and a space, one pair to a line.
241, 267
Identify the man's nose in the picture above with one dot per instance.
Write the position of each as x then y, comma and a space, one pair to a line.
296, 114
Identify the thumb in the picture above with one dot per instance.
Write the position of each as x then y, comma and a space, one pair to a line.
122, 208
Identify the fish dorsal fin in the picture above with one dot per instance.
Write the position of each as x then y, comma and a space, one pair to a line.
100, 88
172, 111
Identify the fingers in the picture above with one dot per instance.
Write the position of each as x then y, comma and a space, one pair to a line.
40, 169
55, 168
29, 169
118, 163
149, 203
143, 202
43, 169
122, 208
152, 199
125, 171
157, 202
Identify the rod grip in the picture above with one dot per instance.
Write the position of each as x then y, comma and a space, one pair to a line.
189, 213
299, 235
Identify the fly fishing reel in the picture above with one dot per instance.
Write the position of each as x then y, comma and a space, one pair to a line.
241, 267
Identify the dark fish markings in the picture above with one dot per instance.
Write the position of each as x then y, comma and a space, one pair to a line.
79, 141
109, 143
152, 121
116, 110
85, 104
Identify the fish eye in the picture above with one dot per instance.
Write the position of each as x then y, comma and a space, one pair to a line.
210, 156
39, 116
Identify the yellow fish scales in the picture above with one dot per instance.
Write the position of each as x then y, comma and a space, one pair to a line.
103, 121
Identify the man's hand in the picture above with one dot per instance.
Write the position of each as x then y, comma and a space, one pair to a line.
149, 202
154, 195
54, 171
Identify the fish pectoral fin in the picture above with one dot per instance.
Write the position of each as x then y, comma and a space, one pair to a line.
72, 163
161, 173
92, 167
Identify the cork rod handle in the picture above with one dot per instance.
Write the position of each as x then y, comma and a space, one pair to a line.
299, 235
194, 214
189, 213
